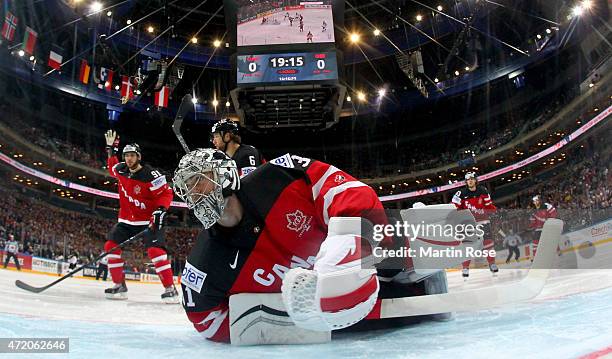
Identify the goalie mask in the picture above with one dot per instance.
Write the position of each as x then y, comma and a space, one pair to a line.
203, 179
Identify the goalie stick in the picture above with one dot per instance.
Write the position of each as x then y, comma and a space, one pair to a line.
183, 110
487, 297
32, 289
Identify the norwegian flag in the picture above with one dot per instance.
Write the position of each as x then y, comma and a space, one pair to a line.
9, 27
106, 78
161, 97
126, 87
29, 40
55, 60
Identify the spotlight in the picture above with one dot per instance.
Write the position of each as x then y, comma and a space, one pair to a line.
467, 68
382, 92
440, 8
539, 36
436, 80
128, 22
354, 38
117, 87
361, 96
150, 29
194, 40
138, 92
109, 13
96, 6
216, 43
591, 84
457, 73
586, 4
32, 58
348, 98
419, 17
21, 53
227, 103
376, 32
194, 100
215, 103
577, 11
548, 31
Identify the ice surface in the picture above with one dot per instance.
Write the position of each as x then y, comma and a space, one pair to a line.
571, 317
254, 33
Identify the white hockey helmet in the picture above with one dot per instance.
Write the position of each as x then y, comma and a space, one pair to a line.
132, 148
471, 175
203, 179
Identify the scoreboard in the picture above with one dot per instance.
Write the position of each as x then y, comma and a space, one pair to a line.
281, 68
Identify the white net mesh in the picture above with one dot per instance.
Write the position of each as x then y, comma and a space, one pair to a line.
299, 288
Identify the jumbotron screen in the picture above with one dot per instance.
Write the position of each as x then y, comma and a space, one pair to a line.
287, 68
261, 22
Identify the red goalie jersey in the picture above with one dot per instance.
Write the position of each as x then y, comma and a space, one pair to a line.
140, 193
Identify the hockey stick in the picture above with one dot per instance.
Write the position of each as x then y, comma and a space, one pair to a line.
30, 288
183, 110
483, 298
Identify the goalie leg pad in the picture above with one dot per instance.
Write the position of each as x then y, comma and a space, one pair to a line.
438, 284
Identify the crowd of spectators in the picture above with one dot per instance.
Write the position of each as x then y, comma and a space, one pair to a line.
57, 147
47, 231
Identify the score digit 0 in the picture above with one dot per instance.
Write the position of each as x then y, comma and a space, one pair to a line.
320, 64
252, 66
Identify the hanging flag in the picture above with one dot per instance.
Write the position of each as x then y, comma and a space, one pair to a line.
106, 79
161, 97
29, 40
126, 87
9, 27
55, 60
84, 72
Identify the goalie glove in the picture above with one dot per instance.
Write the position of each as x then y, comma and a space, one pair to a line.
158, 219
112, 141
338, 292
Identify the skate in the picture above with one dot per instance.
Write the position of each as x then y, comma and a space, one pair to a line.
171, 296
465, 273
119, 292
493, 268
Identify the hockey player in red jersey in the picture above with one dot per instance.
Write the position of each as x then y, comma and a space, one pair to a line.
226, 138
477, 200
293, 226
543, 211
144, 198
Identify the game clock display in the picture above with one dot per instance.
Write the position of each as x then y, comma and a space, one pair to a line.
287, 68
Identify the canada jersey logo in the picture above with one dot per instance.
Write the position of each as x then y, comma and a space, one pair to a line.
339, 179
137, 189
298, 222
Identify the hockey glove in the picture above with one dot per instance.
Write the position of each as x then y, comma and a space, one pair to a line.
112, 141
158, 219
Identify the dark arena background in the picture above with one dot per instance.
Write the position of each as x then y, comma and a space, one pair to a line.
409, 97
